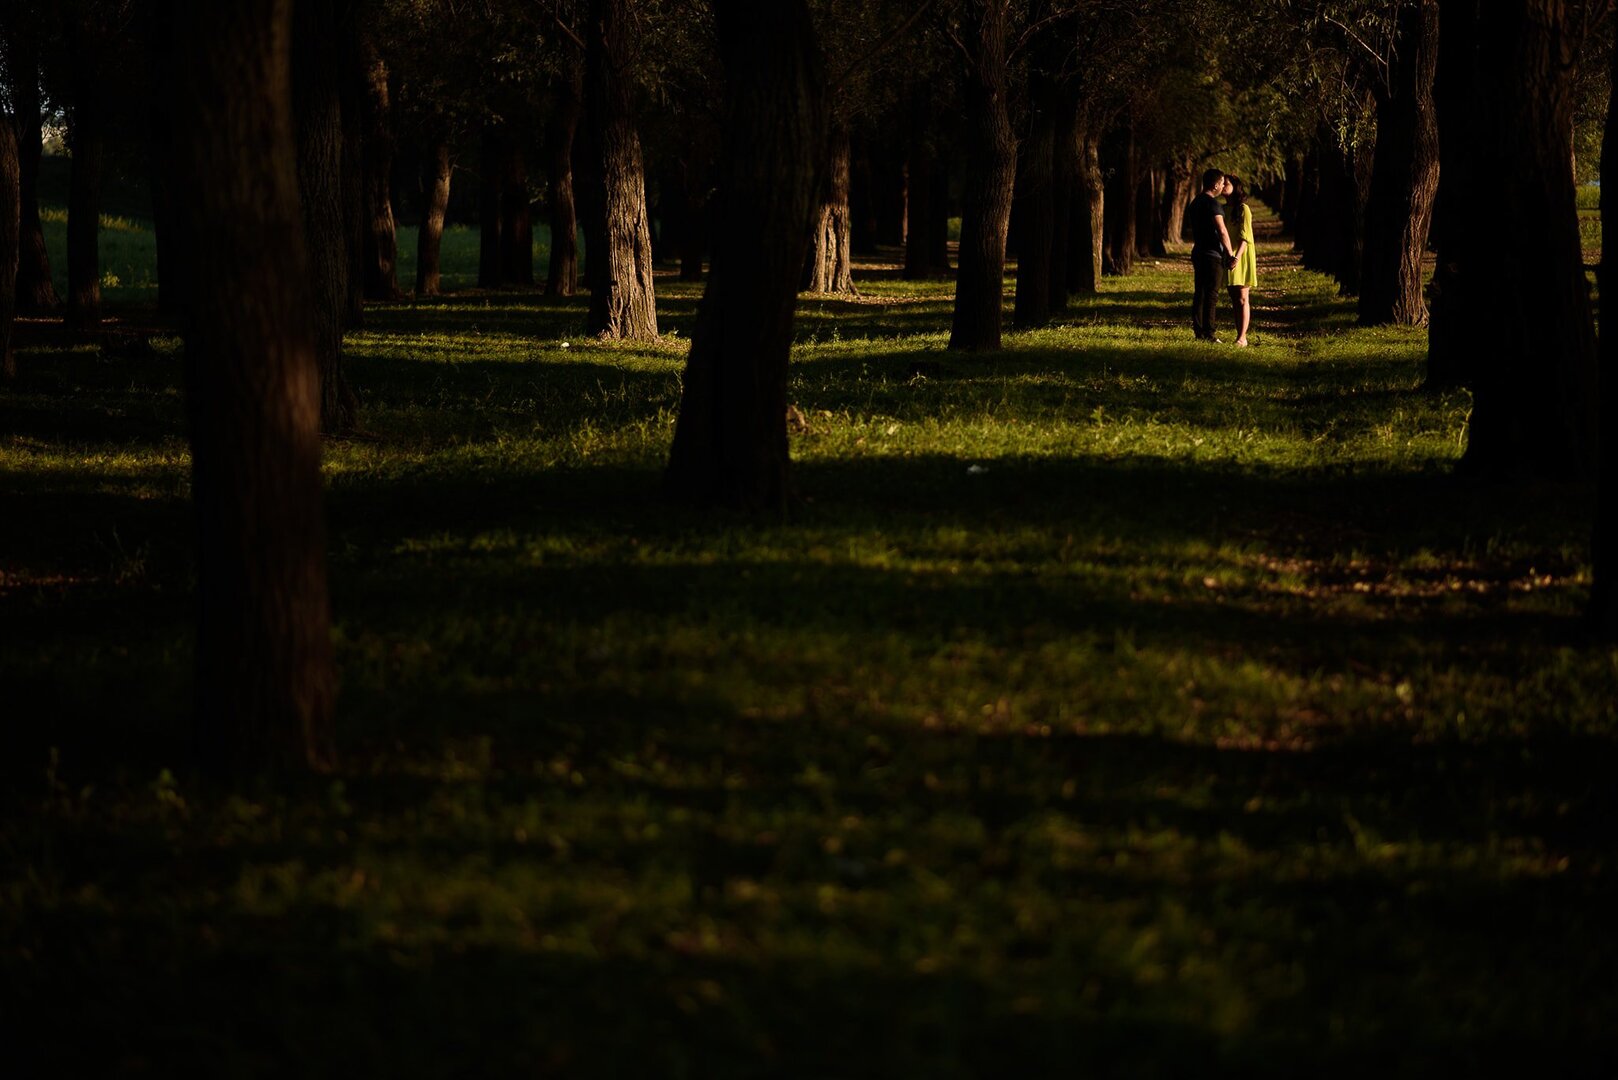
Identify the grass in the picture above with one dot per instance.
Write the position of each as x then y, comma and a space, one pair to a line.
1115, 704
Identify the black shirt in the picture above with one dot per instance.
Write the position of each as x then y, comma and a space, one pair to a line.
1205, 209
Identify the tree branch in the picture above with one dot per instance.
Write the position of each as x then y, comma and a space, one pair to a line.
882, 46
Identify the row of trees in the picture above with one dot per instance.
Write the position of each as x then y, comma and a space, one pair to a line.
783, 138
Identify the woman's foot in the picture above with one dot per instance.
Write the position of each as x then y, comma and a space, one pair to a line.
1241, 343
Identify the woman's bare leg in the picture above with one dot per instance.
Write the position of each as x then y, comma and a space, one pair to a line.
1242, 309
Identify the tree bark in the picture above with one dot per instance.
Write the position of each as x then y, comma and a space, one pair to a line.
491, 197
830, 263
1036, 203
10, 230
36, 292
318, 119
938, 216
1118, 222
562, 272
1399, 211
1179, 188
730, 442
990, 167
623, 302
1534, 390
1149, 213
1604, 594
517, 220
1084, 264
436, 171
1458, 313
87, 140
265, 679
381, 281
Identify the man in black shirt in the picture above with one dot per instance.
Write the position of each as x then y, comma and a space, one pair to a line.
1211, 252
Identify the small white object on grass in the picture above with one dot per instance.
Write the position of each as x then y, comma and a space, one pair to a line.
976, 470
566, 345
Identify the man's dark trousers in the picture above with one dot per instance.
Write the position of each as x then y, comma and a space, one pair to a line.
1208, 271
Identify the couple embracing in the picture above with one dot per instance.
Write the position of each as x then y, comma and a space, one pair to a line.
1214, 255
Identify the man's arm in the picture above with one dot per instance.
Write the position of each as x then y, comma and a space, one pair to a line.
1224, 234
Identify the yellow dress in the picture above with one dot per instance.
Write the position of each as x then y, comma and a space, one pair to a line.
1245, 272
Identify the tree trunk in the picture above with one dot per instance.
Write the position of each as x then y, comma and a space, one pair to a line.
265, 679
1118, 223
562, 272
1534, 391
730, 443
86, 138
938, 216
517, 221
1084, 265
381, 236
1604, 594
10, 229
318, 118
1036, 202
623, 303
990, 162
1399, 211
491, 197
436, 170
36, 292
830, 261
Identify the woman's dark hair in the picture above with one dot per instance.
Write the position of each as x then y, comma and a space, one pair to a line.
1210, 178
1238, 191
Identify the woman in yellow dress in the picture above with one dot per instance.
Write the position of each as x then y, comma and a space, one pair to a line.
1244, 275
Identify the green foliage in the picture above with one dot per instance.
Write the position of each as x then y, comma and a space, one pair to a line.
1115, 704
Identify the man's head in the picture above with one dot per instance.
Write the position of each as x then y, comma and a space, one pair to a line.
1213, 182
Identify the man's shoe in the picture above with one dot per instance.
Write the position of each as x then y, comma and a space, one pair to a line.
1216, 339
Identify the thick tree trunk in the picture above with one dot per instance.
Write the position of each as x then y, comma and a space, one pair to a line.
1118, 222
1292, 203
491, 199
517, 221
86, 139
436, 170
381, 235
1084, 265
830, 263
562, 272
265, 679
730, 443
36, 292
990, 166
1036, 204
1534, 391
938, 207
10, 229
623, 303
1399, 210
1604, 594
318, 119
